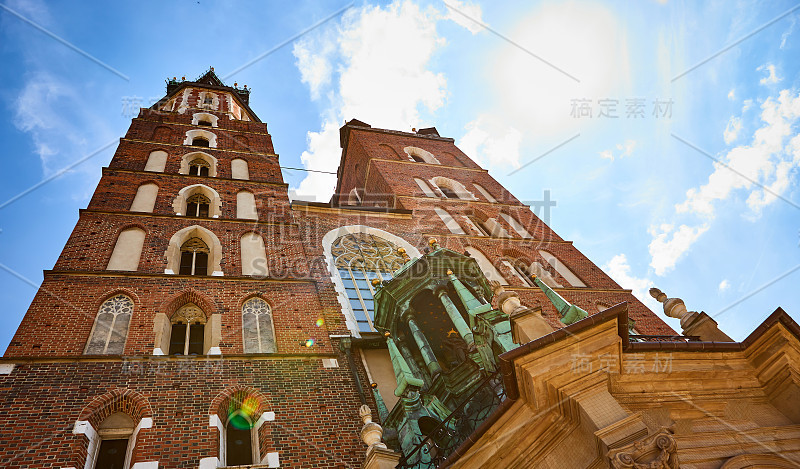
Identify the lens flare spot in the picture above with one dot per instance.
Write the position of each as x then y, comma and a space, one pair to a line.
309, 343
320, 322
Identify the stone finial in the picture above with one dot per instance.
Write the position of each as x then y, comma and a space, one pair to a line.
508, 301
371, 432
673, 307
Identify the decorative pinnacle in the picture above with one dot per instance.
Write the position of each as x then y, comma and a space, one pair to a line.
376, 282
387, 334
373, 385
449, 272
434, 243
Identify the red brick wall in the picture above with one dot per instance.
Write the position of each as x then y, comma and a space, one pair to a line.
317, 423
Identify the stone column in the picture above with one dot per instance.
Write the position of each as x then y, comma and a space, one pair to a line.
401, 370
424, 347
455, 316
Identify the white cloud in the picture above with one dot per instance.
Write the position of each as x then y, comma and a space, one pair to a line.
747, 104
724, 285
732, 129
766, 160
584, 40
788, 32
54, 115
491, 142
367, 73
732, 94
625, 149
771, 77
665, 252
463, 14
618, 269
315, 66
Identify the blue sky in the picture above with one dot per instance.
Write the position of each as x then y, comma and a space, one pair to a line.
639, 194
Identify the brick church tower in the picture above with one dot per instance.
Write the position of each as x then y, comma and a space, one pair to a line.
198, 318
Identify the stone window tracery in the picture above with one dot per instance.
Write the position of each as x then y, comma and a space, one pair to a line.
188, 331
194, 257
197, 206
257, 327
199, 167
360, 258
110, 326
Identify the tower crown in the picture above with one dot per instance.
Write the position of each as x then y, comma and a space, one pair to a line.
209, 93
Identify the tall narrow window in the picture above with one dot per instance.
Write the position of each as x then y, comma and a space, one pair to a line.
197, 206
562, 269
523, 274
257, 329
238, 440
425, 188
194, 257
485, 193
476, 225
360, 258
110, 326
199, 167
188, 331
200, 142
448, 220
516, 225
486, 265
115, 436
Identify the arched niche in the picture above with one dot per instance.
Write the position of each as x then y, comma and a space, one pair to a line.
173, 253
239, 169
145, 198
254, 255
246, 205
156, 161
127, 250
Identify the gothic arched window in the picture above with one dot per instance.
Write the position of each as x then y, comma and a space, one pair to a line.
257, 329
360, 258
199, 167
194, 257
110, 326
197, 206
188, 331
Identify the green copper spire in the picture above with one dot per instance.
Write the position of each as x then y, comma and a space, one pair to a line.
402, 371
569, 312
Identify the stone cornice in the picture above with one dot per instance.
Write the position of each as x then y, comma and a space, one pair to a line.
192, 178
191, 148
184, 217
204, 278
